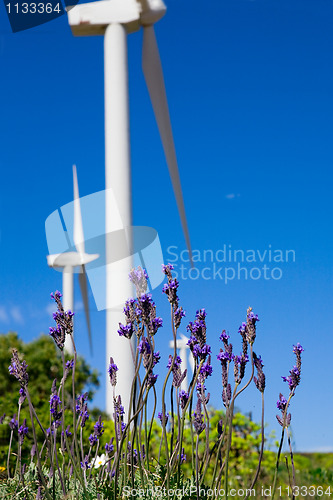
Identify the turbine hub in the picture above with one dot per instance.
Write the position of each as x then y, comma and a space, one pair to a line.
152, 11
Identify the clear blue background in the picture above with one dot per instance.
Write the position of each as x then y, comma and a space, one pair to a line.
249, 85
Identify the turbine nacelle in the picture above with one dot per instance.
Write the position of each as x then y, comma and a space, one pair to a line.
72, 259
94, 17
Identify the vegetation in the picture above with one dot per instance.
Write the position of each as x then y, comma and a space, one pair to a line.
59, 449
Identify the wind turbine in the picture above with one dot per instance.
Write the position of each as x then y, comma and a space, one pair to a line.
115, 19
68, 261
181, 345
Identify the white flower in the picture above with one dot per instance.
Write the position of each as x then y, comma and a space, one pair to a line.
99, 461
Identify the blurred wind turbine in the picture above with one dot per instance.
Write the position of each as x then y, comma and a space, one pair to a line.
68, 261
115, 19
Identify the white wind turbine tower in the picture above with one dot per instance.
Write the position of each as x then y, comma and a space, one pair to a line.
181, 345
115, 19
71, 261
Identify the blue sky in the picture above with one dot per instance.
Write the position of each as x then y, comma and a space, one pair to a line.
249, 85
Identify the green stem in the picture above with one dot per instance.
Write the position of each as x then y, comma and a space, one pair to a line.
197, 465
163, 399
39, 465
231, 414
281, 443
261, 448
292, 460
220, 443
151, 427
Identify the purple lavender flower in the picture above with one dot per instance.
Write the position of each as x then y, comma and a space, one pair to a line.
67, 431
160, 416
224, 336
99, 427
197, 342
13, 423
250, 329
85, 463
281, 403
297, 348
82, 408
18, 369
119, 409
182, 456
239, 368
156, 358
206, 370
126, 330
145, 349
93, 439
129, 310
151, 379
183, 398
148, 312
176, 364
178, 376
260, 380
179, 314
113, 368
49, 431
139, 278
2, 418
58, 334
54, 403
119, 412
69, 365
167, 269
242, 328
201, 352
155, 324
226, 395
200, 388
144, 346
293, 379
109, 446
22, 396
23, 431
170, 290
224, 356
198, 421
64, 322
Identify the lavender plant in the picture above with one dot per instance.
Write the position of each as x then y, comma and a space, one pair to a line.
66, 463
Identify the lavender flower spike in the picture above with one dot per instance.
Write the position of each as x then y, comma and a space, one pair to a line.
260, 380
198, 422
113, 368
18, 369
139, 278
23, 431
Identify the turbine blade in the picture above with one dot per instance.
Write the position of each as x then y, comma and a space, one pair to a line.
78, 235
152, 69
84, 293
